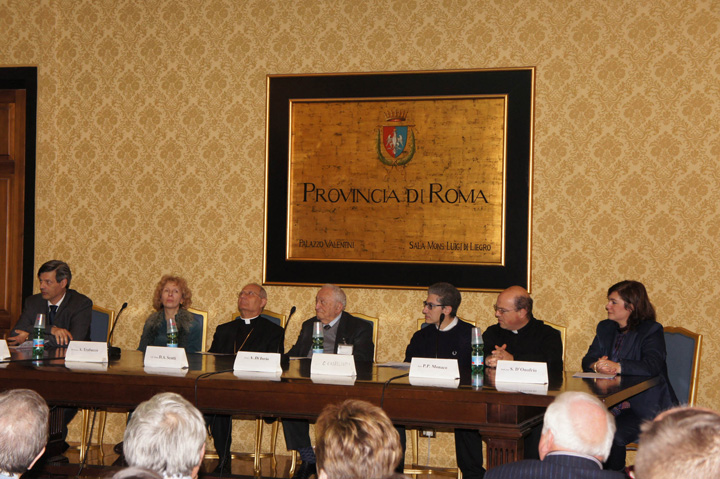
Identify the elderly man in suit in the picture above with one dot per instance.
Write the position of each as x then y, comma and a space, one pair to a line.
23, 431
340, 328
576, 438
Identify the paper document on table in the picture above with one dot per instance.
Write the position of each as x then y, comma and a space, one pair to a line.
593, 376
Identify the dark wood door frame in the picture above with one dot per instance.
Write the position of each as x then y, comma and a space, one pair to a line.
25, 78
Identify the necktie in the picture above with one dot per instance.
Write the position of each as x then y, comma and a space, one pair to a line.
326, 327
53, 310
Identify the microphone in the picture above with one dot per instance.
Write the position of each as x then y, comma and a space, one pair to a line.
114, 353
281, 346
437, 338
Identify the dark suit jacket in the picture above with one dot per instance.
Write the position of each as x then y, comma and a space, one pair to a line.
264, 338
642, 354
555, 466
74, 314
351, 330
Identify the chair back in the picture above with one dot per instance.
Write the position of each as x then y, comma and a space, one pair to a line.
374, 324
563, 335
101, 323
202, 318
683, 362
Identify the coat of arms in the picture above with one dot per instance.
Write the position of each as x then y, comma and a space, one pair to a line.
395, 140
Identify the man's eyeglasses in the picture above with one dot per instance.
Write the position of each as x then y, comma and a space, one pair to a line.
502, 310
430, 306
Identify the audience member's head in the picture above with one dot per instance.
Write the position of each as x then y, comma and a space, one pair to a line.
681, 442
577, 422
136, 473
356, 440
166, 434
23, 430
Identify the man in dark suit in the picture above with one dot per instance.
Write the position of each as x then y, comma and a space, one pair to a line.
249, 332
68, 313
340, 329
576, 437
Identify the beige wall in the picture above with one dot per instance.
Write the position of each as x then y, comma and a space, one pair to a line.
151, 145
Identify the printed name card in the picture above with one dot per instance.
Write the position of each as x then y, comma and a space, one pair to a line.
434, 368
260, 362
86, 352
258, 375
451, 383
525, 388
163, 357
521, 372
332, 365
4, 350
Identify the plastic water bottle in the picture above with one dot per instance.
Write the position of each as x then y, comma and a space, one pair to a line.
317, 338
478, 358
39, 336
172, 332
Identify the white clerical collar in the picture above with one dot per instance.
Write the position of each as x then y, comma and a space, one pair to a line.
247, 320
576, 454
450, 326
59, 302
14, 475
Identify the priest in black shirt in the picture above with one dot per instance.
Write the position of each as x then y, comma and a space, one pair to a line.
518, 336
448, 337
248, 332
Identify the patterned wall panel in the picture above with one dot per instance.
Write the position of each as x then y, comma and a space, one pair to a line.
151, 145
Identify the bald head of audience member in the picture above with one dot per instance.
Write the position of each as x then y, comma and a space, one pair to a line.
356, 440
681, 442
23, 430
577, 422
166, 434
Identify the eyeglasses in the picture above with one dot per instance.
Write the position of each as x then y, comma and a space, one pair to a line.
430, 306
248, 293
502, 310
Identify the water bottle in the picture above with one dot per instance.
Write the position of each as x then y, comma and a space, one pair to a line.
317, 338
478, 358
172, 332
39, 336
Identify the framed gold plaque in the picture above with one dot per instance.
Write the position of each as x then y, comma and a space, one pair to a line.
400, 179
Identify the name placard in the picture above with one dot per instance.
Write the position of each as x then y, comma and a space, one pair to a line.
258, 375
525, 388
332, 365
337, 380
4, 350
450, 383
86, 352
521, 372
163, 357
259, 362
86, 366
434, 368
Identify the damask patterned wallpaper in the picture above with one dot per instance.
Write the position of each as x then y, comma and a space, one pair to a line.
151, 147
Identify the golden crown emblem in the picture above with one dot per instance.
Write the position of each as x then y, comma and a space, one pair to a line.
396, 115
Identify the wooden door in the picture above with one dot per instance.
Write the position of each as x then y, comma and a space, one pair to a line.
12, 207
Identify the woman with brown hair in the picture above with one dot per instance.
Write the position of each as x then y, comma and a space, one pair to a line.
170, 300
631, 342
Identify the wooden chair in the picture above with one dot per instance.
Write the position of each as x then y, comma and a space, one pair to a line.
100, 326
683, 363
563, 336
257, 453
202, 318
416, 468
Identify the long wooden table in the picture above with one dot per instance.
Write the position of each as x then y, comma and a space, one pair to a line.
503, 418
